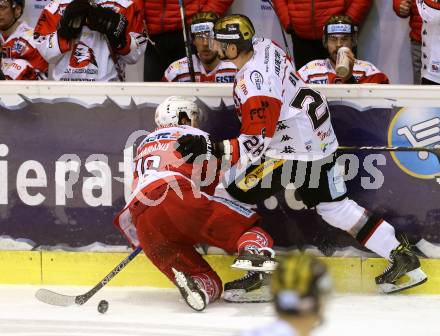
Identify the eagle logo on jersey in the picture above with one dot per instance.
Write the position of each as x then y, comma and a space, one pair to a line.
19, 47
82, 56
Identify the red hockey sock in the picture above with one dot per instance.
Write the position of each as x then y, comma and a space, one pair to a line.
210, 283
254, 238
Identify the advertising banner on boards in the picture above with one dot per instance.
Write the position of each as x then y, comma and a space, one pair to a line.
63, 167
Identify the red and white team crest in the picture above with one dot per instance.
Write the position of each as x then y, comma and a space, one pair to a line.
82, 56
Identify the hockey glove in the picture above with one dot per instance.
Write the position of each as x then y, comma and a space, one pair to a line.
198, 145
73, 19
110, 23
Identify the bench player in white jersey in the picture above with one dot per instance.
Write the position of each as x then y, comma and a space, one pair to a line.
430, 12
91, 42
287, 136
340, 31
300, 286
167, 214
20, 59
207, 65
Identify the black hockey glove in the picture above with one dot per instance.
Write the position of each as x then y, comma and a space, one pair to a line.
73, 19
198, 145
110, 23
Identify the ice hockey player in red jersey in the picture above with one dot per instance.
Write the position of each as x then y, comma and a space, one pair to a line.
91, 42
207, 66
340, 31
167, 215
287, 137
20, 57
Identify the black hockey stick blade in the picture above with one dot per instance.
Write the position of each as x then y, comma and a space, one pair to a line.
57, 299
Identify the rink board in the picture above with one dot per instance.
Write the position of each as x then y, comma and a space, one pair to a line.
350, 275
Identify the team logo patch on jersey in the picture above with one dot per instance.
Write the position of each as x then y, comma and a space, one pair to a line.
435, 66
257, 79
416, 127
82, 56
161, 136
19, 46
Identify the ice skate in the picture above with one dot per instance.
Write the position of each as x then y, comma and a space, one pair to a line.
194, 296
253, 287
260, 260
403, 272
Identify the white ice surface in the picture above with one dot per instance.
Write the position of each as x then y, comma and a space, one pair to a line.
146, 311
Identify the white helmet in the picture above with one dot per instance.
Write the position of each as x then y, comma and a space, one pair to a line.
168, 113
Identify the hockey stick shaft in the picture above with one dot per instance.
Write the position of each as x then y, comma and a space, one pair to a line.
282, 29
81, 299
187, 42
58, 299
379, 149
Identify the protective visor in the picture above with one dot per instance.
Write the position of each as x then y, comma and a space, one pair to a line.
202, 28
340, 28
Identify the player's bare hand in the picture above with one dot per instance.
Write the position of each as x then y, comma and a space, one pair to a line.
405, 7
351, 59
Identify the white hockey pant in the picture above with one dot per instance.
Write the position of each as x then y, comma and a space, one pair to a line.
374, 233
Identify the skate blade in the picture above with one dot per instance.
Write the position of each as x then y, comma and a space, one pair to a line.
416, 278
246, 265
262, 294
193, 299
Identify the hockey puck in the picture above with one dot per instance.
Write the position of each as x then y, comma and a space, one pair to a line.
103, 306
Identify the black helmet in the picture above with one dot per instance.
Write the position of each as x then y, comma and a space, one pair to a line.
299, 284
234, 28
340, 24
18, 2
203, 22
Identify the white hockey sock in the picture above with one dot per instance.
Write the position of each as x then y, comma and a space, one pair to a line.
383, 240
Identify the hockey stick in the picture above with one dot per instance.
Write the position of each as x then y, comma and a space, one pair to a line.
187, 42
378, 149
56, 299
282, 29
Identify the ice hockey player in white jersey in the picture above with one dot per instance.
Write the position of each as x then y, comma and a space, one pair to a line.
207, 66
300, 286
287, 136
86, 42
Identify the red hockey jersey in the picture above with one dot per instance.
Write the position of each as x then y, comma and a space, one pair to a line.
21, 59
322, 72
178, 71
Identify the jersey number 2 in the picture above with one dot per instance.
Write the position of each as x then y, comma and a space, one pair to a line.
314, 101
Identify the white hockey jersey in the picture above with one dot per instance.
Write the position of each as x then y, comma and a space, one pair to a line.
322, 72
280, 116
430, 12
89, 57
178, 71
20, 57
